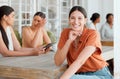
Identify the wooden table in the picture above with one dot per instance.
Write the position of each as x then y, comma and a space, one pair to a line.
38, 67
32, 67
107, 43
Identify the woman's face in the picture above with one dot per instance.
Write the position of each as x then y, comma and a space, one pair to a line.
10, 19
98, 20
110, 19
77, 21
38, 21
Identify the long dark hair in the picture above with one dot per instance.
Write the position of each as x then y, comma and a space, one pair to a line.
94, 16
4, 10
79, 8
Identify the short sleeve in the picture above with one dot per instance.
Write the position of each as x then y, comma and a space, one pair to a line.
94, 40
63, 38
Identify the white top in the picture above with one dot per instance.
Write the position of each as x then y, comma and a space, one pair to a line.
9, 35
106, 32
92, 26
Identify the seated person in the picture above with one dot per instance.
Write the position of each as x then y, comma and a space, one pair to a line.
94, 20
35, 35
107, 28
9, 45
82, 49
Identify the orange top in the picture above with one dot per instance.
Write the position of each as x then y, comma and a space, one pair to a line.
89, 37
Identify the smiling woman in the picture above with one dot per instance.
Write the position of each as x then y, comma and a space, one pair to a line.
85, 61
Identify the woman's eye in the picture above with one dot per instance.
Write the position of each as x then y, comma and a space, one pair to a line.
72, 18
80, 18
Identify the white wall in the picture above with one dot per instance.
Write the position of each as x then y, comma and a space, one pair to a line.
101, 6
116, 39
107, 8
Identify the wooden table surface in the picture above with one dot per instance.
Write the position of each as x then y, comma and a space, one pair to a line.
31, 67
38, 67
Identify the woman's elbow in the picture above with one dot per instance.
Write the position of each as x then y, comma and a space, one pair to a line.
5, 54
57, 62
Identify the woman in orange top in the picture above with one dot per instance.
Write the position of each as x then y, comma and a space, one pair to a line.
35, 35
82, 48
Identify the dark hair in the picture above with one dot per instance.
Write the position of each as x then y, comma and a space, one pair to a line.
41, 14
108, 15
4, 10
79, 8
94, 16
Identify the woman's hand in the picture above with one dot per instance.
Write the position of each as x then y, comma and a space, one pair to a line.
38, 51
43, 22
41, 50
73, 35
35, 52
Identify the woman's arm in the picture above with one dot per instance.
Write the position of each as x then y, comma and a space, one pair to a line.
32, 42
61, 54
5, 52
46, 37
83, 56
18, 50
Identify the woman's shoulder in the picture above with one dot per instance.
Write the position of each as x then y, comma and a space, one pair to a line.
65, 32
26, 28
92, 31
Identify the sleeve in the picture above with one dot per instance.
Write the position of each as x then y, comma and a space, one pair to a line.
63, 39
94, 40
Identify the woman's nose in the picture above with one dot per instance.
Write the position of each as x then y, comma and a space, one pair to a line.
76, 21
35, 22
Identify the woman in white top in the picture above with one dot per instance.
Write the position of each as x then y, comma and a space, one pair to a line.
9, 45
95, 19
107, 28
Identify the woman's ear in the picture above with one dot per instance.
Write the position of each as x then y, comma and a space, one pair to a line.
44, 20
86, 20
4, 17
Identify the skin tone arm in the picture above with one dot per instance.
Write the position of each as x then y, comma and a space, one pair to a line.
37, 37
83, 56
18, 47
60, 55
18, 50
45, 36
26, 35
33, 42
5, 52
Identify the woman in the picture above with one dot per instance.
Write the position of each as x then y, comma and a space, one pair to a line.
82, 48
9, 45
35, 35
95, 19
107, 28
